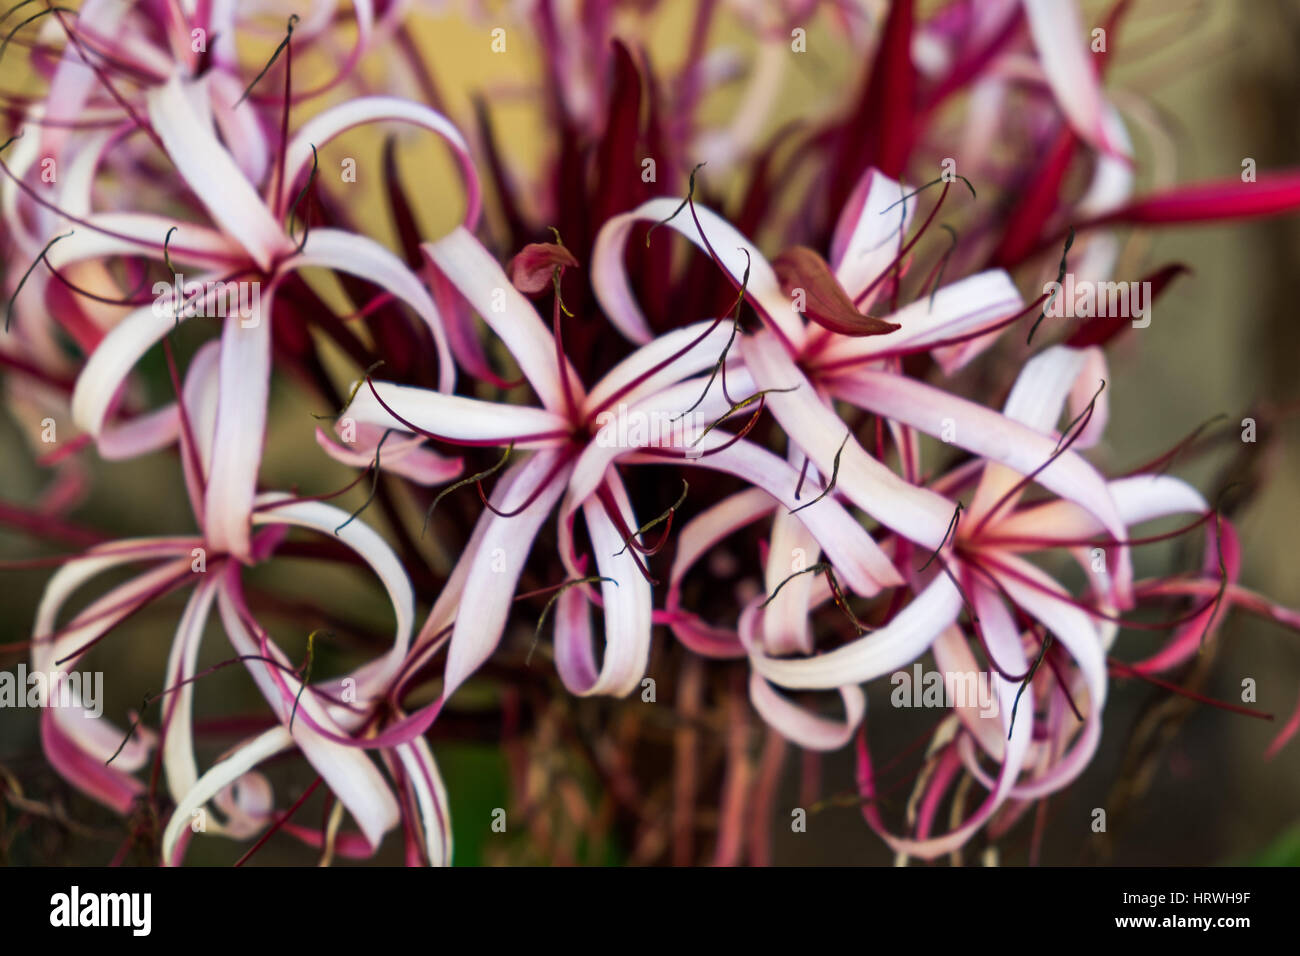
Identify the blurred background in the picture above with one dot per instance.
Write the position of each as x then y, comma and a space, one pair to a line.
1183, 784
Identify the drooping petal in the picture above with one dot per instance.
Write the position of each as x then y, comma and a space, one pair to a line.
802, 727
698, 536
318, 516
406, 457
244, 381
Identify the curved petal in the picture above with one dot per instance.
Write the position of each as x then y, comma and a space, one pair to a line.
736, 253
221, 775
986, 433
468, 420
799, 726
179, 765
698, 536
792, 548
407, 458
1058, 35
348, 770
76, 744
374, 550
903, 639
112, 361
324, 126
360, 256
627, 606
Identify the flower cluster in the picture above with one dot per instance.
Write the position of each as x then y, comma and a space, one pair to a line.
822, 461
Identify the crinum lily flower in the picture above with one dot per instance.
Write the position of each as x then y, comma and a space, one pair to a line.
250, 249
115, 52
576, 443
330, 722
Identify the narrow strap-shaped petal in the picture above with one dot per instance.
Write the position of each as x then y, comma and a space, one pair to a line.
239, 126
111, 363
808, 730
639, 375
866, 568
408, 457
244, 380
141, 435
108, 368
698, 537
495, 565
375, 551
1138, 499
863, 565
1076, 632
96, 736
625, 599
144, 234
866, 235
1036, 401
469, 420
76, 742
179, 764
792, 548
1004, 788
961, 308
